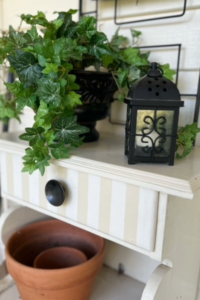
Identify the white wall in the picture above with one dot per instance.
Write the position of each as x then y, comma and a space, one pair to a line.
12, 9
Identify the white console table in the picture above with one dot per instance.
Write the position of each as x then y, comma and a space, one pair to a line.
152, 209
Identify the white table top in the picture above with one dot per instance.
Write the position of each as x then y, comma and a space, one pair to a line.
107, 155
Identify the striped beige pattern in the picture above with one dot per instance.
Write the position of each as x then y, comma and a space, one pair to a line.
115, 208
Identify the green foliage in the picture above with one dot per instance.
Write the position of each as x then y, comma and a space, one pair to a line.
26, 67
185, 139
7, 109
67, 130
42, 58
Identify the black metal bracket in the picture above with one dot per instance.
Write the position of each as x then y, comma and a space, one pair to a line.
81, 13
148, 19
197, 104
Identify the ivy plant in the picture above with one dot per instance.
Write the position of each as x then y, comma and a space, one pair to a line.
43, 58
185, 139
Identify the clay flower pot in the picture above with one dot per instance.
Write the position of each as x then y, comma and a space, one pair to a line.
59, 257
73, 283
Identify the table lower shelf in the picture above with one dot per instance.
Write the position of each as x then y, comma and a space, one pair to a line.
109, 285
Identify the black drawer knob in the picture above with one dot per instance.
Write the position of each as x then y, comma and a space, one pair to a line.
55, 192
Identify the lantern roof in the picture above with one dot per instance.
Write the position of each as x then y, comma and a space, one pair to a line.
155, 87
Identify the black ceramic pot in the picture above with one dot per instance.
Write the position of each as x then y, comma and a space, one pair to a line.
96, 90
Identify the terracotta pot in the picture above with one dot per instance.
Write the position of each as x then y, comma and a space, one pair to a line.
59, 257
73, 283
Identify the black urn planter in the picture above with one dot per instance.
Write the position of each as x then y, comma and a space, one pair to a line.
96, 90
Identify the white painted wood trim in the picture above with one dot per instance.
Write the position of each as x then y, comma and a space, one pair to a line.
114, 165
3, 219
154, 282
161, 221
16, 217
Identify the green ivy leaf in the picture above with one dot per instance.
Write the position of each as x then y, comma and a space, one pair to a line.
50, 136
41, 60
59, 45
49, 91
25, 98
185, 139
81, 49
36, 158
132, 56
168, 73
118, 41
29, 167
71, 51
63, 84
26, 67
30, 164
42, 163
32, 33
42, 111
67, 130
68, 67
72, 84
87, 26
73, 99
68, 28
5, 109
122, 77
37, 48
121, 98
30, 155
50, 67
107, 60
15, 88
123, 93
47, 49
32, 135
97, 46
44, 117
38, 19
16, 39
59, 150
135, 33
133, 74
145, 55
57, 23
48, 119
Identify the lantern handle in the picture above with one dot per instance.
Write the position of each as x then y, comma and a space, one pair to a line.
155, 70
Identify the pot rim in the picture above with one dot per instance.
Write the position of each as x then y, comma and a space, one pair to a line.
59, 251
86, 271
89, 261
28, 268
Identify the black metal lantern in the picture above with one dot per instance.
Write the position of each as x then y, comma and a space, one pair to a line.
152, 119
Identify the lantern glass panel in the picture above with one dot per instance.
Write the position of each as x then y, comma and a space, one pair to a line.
153, 132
